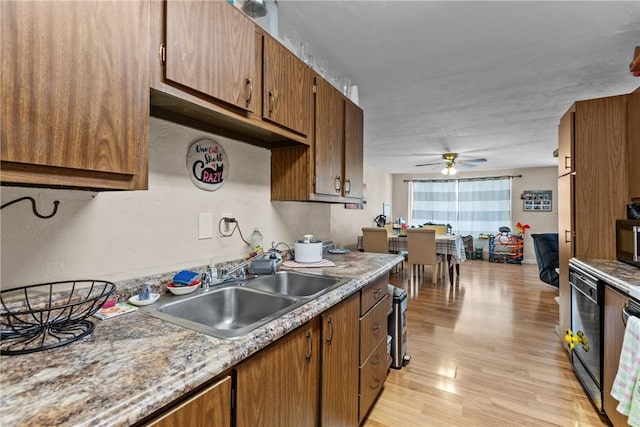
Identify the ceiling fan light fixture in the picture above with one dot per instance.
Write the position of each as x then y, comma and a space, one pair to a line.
449, 170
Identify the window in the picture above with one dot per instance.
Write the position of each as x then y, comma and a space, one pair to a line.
470, 206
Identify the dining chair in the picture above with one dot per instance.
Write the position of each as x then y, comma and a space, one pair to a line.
375, 239
421, 245
439, 229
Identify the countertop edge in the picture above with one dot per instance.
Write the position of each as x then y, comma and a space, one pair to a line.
610, 271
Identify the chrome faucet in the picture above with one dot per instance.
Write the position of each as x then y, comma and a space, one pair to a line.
238, 272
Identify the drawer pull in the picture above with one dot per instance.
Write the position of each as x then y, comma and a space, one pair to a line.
376, 326
376, 384
376, 361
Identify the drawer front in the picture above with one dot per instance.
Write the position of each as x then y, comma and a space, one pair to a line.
372, 377
373, 292
373, 328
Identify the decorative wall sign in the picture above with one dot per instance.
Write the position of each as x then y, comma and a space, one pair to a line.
536, 200
207, 164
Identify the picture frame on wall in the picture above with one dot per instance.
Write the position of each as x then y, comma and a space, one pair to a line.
537, 200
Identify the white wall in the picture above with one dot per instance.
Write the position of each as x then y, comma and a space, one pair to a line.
123, 235
532, 179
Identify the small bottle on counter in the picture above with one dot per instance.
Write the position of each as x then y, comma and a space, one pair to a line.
255, 241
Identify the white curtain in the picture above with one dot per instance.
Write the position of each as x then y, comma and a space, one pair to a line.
434, 202
483, 206
469, 206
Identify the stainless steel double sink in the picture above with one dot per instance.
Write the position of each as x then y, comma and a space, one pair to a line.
232, 310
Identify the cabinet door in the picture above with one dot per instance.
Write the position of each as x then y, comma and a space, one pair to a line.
339, 405
287, 88
633, 144
602, 183
565, 247
75, 93
210, 48
329, 139
212, 407
613, 338
279, 386
353, 148
566, 142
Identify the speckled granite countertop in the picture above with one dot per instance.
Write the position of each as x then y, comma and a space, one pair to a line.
133, 365
618, 274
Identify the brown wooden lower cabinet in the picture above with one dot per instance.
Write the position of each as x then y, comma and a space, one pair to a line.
374, 361
339, 390
614, 302
279, 386
327, 372
211, 407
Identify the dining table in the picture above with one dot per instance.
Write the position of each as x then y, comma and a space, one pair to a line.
450, 246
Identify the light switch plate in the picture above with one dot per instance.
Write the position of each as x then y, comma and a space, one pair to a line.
205, 225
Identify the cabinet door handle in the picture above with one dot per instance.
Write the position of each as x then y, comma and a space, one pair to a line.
567, 236
330, 329
310, 341
162, 54
376, 327
376, 384
249, 86
272, 101
347, 186
567, 162
377, 292
337, 184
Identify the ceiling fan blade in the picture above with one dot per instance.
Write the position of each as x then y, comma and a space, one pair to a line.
478, 160
463, 165
430, 164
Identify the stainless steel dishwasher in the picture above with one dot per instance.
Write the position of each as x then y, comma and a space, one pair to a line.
587, 298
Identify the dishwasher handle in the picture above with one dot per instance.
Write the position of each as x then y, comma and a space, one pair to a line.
627, 311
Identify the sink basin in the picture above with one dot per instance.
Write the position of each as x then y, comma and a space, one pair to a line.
294, 284
226, 312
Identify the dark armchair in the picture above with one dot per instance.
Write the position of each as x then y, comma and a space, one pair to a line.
546, 248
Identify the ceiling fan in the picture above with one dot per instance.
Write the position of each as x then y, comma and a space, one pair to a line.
451, 160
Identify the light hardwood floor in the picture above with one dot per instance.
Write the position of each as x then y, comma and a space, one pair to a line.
484, 352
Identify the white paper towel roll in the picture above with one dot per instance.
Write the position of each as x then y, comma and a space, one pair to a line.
354, 94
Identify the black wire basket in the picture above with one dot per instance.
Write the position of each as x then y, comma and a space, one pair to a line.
49, 315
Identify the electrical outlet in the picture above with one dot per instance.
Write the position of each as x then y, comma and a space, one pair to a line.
226, 226
205, 225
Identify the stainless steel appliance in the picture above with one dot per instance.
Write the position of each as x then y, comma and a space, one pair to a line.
586, 324
628, 241
632, 309
398, 329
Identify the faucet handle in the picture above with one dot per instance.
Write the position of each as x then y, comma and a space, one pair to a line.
205, 280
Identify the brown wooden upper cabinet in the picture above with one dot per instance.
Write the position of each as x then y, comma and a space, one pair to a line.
332, 169
329, 139
353, 150
338, 143
566, 142
75, 94
287, 88
633, 144
210, 48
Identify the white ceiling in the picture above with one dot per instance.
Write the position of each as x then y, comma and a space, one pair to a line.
484, 79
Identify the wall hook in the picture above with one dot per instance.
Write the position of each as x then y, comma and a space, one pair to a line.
33, 206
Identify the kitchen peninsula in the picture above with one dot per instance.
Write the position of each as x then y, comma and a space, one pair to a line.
133, 366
